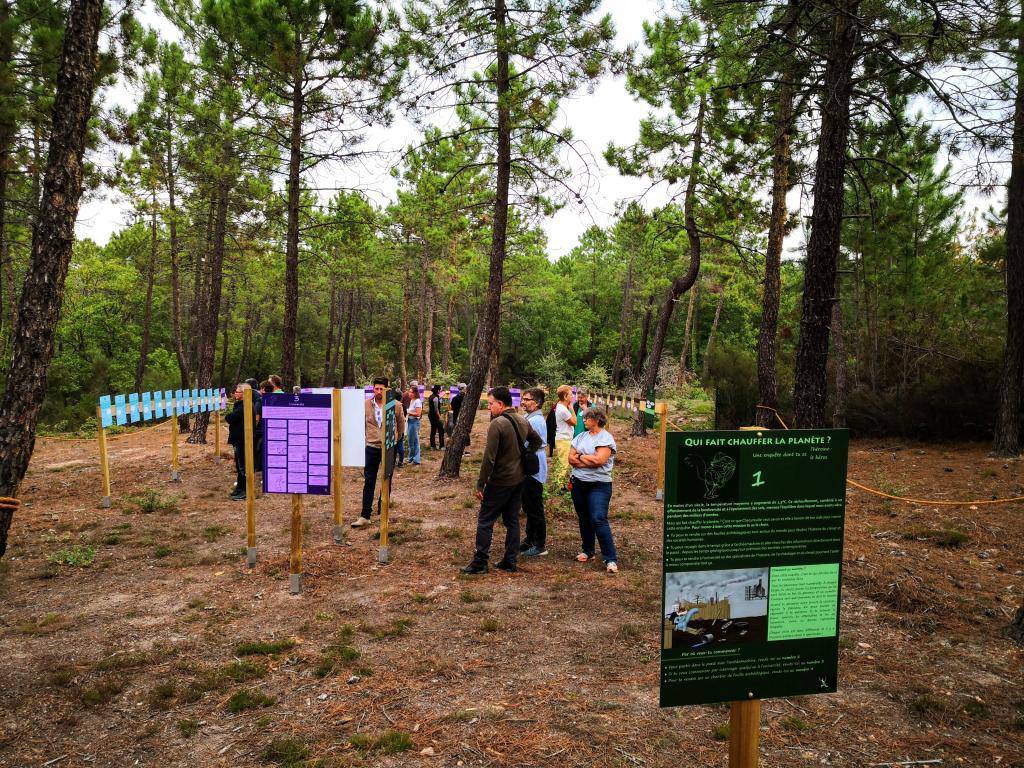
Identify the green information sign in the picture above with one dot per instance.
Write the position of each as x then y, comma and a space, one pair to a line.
753, 546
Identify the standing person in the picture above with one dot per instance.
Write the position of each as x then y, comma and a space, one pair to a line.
533, 486
456, 405
277, 384
375, 426
235, 419
565, 421
398, 394
434, 414
413, 422
500, 485
581, 405
266, 388
257, 424
592, 456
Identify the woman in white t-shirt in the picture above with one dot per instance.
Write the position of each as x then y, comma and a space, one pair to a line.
592, 457
565, 421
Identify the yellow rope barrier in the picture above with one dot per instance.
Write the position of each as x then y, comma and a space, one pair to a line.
883, 494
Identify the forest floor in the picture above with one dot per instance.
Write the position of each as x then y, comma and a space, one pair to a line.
166, 649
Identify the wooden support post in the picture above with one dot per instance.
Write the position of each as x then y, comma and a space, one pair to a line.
175, 469
104, 463
385, 501
295, 559
661, 408
744, 732
250, 490
216, 435
336, 491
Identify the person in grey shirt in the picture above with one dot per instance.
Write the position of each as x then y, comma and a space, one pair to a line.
592, 456
533, 486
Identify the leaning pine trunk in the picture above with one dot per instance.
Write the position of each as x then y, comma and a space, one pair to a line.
810, 387
705, 368
147, 314
291, 259
52, 241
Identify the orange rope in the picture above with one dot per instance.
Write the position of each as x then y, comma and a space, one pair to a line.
7, 502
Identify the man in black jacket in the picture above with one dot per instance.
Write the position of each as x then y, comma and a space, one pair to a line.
500, 485
236, 438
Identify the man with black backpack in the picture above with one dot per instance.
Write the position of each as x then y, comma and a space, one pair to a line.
509, 457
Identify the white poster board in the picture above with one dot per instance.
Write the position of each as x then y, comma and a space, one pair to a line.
353, 428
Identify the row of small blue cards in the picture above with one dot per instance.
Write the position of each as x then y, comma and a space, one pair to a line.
136, 407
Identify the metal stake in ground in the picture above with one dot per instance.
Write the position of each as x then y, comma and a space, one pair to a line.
104, 464
295, 558
250, 490
216, 435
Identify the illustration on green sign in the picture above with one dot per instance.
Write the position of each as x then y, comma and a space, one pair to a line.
753, 544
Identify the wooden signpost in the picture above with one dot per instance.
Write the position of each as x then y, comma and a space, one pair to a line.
661, 408
104, 463
336, 470
175, 470
389, 444
295, 556
250, 487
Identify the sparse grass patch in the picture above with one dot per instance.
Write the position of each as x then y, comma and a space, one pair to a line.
243, 671
389, 742
976, 708
287, 753
632, 631
44, 625
162, 694
111, 539
469, 596
76, 556
150, 502
929, 706
188, 727
248, 698
397, 628
338, 654
489, 624
128, 660
721, 732
213, 532
449, 531
264, 647
102, 693
162, 550
951, 538
61, 677
794, 724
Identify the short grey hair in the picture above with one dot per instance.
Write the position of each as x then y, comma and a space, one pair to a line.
598, 415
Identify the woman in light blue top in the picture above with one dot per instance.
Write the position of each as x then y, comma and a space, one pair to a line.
592, 456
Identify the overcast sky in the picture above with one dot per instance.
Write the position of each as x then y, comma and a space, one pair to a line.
607, 114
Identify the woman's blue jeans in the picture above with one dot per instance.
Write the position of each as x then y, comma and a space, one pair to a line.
591, 499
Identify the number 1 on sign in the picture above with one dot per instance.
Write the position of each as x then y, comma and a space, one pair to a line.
757, 480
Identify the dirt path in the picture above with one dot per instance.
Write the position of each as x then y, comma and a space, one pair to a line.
136, 658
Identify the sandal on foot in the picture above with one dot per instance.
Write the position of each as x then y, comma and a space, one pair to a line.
583, 557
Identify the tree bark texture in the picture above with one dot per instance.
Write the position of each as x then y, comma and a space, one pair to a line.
705, 369
682, 283
681, 371
1006, 440
291, 258
487, 330
767, 382
147, 312
52, 241
403, 342
624, 316
811, 377
839, 363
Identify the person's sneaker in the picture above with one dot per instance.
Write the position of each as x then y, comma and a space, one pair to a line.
534, 551
360, 522
612, 567
506, 566
237, 497
474, 568
525, 546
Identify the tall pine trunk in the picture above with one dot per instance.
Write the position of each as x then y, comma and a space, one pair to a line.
767, 382
446, 350
487, 330
682, 283
839, 363
428, 343
1006, 441
52, 241
403, 342
147, 313
332, 323
681, 370
705, 368
8, 129
624, 330
291, 259
210, 313
811, 378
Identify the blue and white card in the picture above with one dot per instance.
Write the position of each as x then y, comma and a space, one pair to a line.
106, 412
133, 408
120, 410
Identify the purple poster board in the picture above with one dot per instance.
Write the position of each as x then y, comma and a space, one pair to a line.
297, 443
368, 391
454, 391
517, 396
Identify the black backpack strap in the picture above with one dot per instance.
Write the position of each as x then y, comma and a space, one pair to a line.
515, 429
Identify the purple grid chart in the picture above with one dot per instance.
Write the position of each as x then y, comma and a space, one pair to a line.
297, 443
